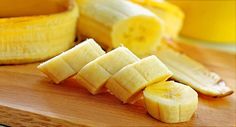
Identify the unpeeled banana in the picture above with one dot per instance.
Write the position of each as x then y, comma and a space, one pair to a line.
70, 62
170, 102
45, 31
116, 22
94, 75
131, 79
172, 16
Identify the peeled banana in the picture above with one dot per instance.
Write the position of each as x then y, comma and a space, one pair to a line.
170, 102
131, 79
172, 16
48, 29
119, 22
94, 75
192, 73
70, 62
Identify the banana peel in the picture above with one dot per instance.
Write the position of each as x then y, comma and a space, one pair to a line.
29, 36
190, 72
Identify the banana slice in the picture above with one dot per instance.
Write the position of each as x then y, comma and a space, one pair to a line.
116, 22
131, 79
41, 33
70, 62
192, 73
170, 102
94, 75
172, 16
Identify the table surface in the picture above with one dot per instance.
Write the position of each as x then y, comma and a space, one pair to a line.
29, 98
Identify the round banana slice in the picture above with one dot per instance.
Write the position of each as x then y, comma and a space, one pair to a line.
70, 62
120, 22
170, 102
131, 79
34, 30
94, 75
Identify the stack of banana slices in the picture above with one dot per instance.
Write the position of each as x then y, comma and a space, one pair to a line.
138, 59
125, 75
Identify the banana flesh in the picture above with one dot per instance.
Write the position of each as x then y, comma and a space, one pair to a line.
131, 79
192, 73
117, 22
94, 75
29, 36
172, 16
170, 102
70, 62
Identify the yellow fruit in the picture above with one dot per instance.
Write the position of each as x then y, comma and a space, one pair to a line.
70, 62
31, 33
118, 22
209, 20
192, 73
170, 102
94, 75
131, 79
171, 15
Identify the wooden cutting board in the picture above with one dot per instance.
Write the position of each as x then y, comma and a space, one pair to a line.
29, 98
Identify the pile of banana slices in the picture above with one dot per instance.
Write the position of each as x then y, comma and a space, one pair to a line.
125, 75
137, 61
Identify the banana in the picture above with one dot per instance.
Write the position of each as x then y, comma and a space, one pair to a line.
192, 73
70, 62
170, 102
116, 22
29, 36
94, 75
131, 79
172, 16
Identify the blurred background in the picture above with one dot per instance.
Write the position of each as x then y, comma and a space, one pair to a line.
210, 23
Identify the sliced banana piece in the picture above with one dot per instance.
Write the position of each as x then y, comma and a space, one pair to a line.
192, 73
94, 75
117, 22
131, 79
70, 62
170, 102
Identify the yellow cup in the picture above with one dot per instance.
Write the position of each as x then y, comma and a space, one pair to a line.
209, 20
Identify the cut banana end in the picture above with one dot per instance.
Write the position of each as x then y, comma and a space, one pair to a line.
140, 34
192, 73
170, 102
41, 33
131, 79
94, 75
70, 62
171, 15
119, 22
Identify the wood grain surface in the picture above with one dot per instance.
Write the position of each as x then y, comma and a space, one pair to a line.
23, 89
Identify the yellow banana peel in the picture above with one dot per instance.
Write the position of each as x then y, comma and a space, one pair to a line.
48, 29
